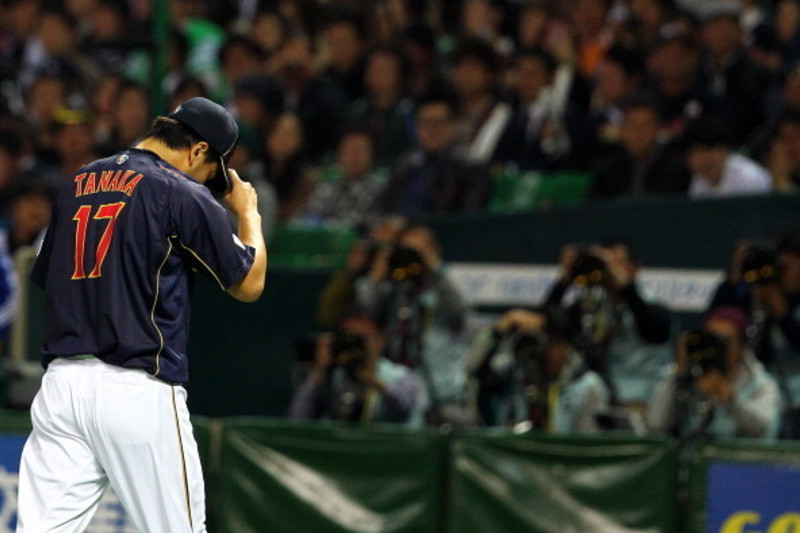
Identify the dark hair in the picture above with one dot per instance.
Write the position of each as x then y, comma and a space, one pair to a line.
641, 100
537, 52
362, 130
392, 51
479, 50
347, 17
613, 241
188, 82
438, 95
708, 131
177, 136
252, 47
630, 60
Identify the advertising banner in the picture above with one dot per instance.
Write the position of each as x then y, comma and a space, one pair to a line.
749, 498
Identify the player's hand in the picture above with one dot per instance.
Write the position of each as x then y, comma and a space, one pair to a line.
242, 197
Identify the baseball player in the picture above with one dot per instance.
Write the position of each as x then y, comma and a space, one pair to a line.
127, 233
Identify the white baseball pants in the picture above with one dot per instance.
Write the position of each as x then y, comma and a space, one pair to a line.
96, 424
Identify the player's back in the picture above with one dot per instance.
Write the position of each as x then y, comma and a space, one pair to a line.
116, 283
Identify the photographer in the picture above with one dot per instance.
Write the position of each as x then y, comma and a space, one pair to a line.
530, 374
716, 387
350, 380
623, 336
425, 315
764, 281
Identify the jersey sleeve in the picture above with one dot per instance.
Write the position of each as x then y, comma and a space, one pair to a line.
203, 234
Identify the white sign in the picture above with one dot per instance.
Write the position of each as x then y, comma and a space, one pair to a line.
684, 290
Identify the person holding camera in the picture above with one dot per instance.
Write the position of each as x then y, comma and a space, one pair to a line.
408, 289
530, 375
716, 387
350, 379
623, 336
764, 281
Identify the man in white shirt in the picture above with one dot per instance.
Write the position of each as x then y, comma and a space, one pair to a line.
716, 170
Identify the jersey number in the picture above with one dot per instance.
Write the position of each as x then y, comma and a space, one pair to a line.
108, 212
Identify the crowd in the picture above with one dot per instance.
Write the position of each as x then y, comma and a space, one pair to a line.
364, 115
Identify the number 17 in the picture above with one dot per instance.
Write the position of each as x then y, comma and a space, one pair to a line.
82, 217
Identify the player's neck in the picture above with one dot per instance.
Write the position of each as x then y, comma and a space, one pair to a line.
176, 158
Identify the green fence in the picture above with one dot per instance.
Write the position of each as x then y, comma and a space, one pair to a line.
275, 476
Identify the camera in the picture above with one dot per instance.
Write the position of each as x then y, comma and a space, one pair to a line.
707, 352
588, 269
407, 264
759, 265
527, 345
348, 350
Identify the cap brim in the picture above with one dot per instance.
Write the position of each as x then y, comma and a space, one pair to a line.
221, 182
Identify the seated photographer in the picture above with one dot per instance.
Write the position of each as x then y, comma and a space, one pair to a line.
407, 288
351, 381
764, 281
716, 386
530, 374
625, 338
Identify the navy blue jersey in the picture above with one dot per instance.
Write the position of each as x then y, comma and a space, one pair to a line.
127, 233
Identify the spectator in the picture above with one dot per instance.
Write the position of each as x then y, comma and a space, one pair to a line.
53, 51
285, 165
716, 170
728, 392
618, 79
434, 178
484, 115
545, 128
131, 117
641, 163
783, 158
30, 209
103, 103
592, 32
483, 19
258, 100
46, 95
764, 281
72, 148
349, 199
673, 66
352, 381
239, 58
187, 87
418, 44
108, 41
729, 73
384, 107
530, 374
344, 40
623, 333
317, 101
270, 30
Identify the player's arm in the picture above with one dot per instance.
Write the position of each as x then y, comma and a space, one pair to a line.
242, 201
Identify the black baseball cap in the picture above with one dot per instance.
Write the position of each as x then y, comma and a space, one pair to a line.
212, 123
